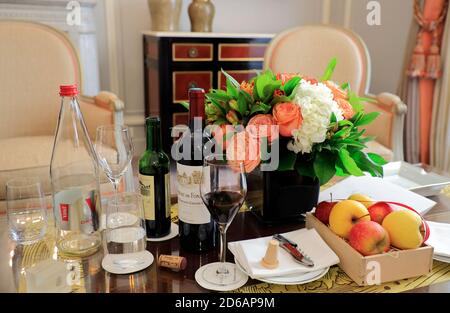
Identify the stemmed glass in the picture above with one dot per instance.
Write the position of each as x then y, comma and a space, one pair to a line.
223, 189
114, 152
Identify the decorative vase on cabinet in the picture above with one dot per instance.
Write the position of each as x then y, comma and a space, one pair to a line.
201, 14
165, 14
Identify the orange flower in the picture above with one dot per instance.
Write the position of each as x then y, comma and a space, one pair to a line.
288, 116
243, 149
222, 134
285, 77
341, 97
248, 87
262, 125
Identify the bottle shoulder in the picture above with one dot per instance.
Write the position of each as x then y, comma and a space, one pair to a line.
154, 159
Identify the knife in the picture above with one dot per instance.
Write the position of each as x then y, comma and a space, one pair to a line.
292, 248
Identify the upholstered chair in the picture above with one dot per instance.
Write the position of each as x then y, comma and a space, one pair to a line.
308, 49
35, 60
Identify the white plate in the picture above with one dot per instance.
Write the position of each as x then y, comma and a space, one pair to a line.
127, 263
379, 190
202, 282
173, 233
294, 279
441, 258
415, 178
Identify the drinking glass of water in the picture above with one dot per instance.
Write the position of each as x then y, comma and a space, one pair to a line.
124, 235
26, 210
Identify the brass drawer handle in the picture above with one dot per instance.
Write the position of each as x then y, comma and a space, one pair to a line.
193, 52
192, 84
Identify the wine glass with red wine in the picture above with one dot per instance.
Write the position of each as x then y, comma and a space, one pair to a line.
223, 189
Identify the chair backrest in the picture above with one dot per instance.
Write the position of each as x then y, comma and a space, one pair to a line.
308, 49
34, 60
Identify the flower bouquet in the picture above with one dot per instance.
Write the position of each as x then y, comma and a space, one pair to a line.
299, 131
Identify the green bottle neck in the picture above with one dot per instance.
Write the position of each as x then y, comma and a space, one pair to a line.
153, 137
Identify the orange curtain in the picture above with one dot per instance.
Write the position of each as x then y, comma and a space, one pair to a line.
431, 11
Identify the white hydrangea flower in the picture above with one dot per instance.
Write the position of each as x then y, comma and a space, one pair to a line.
316, 104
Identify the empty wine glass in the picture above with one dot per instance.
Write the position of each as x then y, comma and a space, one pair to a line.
114, 150
223, 189
26, 209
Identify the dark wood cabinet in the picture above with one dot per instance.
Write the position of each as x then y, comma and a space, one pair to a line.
175, 62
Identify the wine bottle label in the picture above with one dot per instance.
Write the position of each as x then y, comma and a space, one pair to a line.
167, 195
147, 185
191, 208
74, 212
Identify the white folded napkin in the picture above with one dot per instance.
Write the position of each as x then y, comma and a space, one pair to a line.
439, 238
250, 252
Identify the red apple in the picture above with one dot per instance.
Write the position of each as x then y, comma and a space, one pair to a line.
323, 211
379, 211
369, 238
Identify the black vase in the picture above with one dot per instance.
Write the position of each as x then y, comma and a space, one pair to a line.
281, 196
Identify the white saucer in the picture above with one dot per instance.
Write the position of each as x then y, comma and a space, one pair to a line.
441, 258
173, 233
294, 279
202, 282
127, 263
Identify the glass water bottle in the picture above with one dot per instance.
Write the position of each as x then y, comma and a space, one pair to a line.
74, 177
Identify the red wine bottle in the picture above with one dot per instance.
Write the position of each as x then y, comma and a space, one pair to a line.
198, 232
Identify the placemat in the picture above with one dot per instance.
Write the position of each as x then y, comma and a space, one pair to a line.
336, 281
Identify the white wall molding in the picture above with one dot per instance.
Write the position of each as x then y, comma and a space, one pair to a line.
347, 13
54, 13
326, 11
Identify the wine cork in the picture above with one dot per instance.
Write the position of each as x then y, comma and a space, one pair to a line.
173, 262
270, 260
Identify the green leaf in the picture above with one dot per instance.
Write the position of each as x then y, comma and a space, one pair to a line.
279, 99
185, 104
231, 79
357, 117
260, 83
367, 119
262, 107
345, 86
246, 95
377, 158
305, 169
219, 106
349, 163
329, 70
242, 104
287, 161
340, 169
333, 118
353, 99
220, 121
269, 90
345, 123
290, 85
366, 164
365, 99
342, 133
353, 143
324, 166
218, 95
232, 91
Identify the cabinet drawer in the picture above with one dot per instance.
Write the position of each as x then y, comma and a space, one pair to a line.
242, 51
180, 118
183, 81
239, 75
192, 52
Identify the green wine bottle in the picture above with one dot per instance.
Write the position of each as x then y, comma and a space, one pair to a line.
154, 176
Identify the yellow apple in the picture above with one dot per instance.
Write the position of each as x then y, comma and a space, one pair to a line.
345, 214
405, 229
365, 200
